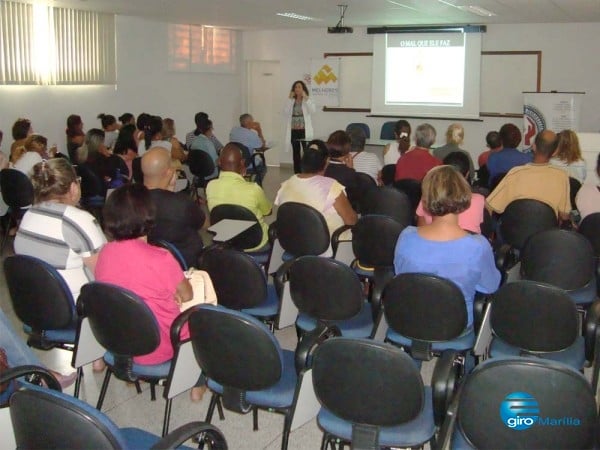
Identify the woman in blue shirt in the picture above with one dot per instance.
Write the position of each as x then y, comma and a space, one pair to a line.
442, 247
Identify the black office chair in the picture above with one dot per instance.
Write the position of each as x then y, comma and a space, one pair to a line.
17, 193
93, 191
390, 202
364, 184
136, 168
126, 327
412, 188
590, 228
12, 379
564, 259
328, 291
42, 300
248, 239
372, 396
256, 164
201, 166
574, 186
240, 283
522, 403
359, 126
247, 369
427, 316
48, 419
387, 131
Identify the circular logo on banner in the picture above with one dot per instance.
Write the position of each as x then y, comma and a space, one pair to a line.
519, 411
534, 123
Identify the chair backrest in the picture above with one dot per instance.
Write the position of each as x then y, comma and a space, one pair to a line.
424, 307
344, 373
200, 163
238, 280
136, 168
234, 349
412, 188
374, 240
364, 184
534, 317
49, 419
91, 184
359, 126
558, 257
301, 229
590, 228
526, 403
249, 238
325, 288
173, 251
121, 322
574, 185
524, 218
245, 154
387, 130
39, 294
388, 201
16, 188
388, 173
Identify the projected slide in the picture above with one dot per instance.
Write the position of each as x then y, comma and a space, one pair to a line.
425, 71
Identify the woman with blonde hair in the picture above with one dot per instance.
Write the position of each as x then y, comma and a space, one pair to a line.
168, 134
33, 151
442, 247
455, 136
568, 155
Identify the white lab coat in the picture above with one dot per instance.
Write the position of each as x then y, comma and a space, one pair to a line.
308, 108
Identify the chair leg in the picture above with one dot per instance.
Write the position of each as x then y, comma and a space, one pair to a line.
167, 418
103, 389
255, 419
287, 424
152, 390
220, 409
324, 441
78, 381
211, 407
5, 237
138, 388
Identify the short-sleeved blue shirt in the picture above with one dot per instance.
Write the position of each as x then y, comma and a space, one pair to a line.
504, 160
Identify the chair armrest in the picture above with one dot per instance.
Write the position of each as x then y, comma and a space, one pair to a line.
259, 155
335, 237
479, 304
310, 341
449, 424
381, 277
178, 324
445, 378
177, 437
22, 371
281, 276
272, 233
591, 329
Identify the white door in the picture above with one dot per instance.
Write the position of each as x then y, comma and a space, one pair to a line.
265, 102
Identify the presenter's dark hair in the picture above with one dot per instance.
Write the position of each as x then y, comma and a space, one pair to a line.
129, 212
315, 157
402, 124
304, 88
510, 135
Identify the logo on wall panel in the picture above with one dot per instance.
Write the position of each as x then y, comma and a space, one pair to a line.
325, 75
534, 122
521, 411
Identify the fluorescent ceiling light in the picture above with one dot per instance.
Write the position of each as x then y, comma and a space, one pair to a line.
476, 10
291, 15
402, 5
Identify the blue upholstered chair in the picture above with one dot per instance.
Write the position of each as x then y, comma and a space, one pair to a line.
360, 126
387, 131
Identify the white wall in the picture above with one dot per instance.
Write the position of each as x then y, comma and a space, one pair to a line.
143, 85
569, 63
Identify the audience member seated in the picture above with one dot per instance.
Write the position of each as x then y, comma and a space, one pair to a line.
55, 230
75, 136
199, 118
312, 188
127, 119
126, 147
455, 136
394, 150
177, 219
501, 162
204, 142
471, 218
111, 169
249, 133
33, 151
21, 129
153, 136
588, 197
178, 154
110, 128
362, 161
232, 189
417, 161
140, 124
568, 155
538, 180
442, 247
494, 144
340, 165
19, 354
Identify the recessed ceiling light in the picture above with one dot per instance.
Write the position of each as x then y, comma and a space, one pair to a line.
476, 10
291, 15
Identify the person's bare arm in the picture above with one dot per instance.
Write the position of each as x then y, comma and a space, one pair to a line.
184, 292
90, 262
345, 210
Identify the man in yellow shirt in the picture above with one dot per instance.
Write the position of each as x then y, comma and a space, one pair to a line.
537, 180
232, 189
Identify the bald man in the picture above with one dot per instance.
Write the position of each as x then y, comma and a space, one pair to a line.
178, 218
538, 180
232, 189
